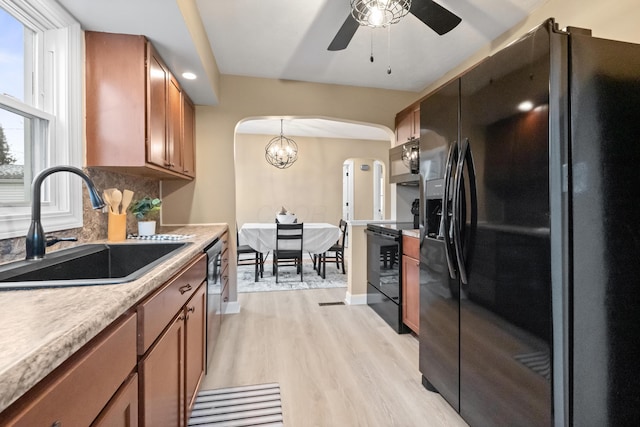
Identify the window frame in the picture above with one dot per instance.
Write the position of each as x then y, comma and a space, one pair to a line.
58, 100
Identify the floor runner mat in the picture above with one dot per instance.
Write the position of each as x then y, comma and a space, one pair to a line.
253, 405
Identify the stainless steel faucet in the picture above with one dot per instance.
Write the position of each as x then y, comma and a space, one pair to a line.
36, 241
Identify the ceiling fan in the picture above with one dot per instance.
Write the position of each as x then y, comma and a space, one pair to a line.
432, 14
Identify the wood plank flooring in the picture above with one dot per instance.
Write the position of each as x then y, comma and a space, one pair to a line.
337, 365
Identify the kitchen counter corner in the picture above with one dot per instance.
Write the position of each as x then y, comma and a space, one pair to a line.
41, 328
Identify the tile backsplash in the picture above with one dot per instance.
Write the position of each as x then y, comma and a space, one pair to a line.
95, 222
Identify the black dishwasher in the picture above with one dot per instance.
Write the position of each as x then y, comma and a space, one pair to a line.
384, 272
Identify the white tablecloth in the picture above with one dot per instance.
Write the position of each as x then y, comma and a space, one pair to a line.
318, 237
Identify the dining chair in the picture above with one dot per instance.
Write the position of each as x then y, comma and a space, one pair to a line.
256, 259
288, 251
338, 252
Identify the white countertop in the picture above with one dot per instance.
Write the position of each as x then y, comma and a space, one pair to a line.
41, 328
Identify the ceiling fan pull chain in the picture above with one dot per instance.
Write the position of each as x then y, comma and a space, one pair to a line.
371, 57
389, 47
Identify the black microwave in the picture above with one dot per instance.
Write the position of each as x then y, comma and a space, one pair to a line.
404, 161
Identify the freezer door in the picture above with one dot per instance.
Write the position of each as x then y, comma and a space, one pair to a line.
505, 302
439, 289
605, 154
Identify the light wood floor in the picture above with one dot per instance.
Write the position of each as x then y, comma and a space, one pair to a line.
336, 365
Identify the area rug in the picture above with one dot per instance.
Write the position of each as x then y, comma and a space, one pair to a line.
289, 279
253, 405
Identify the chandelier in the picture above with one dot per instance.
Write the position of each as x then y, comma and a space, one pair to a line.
379, 13
281, 151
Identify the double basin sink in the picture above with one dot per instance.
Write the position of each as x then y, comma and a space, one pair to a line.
86, 265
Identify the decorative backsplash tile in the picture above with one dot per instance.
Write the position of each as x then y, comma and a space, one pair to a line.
95, 222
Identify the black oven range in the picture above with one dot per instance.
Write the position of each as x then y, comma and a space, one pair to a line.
384, 271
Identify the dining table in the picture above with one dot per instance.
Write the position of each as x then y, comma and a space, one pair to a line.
317, 237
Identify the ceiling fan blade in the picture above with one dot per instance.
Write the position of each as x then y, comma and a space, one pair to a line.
344, 34
434, 16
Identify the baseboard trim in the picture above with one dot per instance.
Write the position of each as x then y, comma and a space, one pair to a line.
359, 299
232, 307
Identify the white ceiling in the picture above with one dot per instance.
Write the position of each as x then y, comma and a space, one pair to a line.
288, 39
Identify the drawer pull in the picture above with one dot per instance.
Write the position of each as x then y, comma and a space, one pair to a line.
185, 288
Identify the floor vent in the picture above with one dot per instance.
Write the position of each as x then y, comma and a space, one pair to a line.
539, 362
325, 304
254, 405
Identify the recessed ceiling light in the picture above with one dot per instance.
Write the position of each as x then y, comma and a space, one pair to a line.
189, 76
525, 106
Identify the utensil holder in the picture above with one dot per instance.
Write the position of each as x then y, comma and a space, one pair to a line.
117, 227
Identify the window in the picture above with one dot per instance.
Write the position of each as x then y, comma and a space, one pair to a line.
40, 113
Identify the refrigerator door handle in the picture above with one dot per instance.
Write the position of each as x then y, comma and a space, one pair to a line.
446, 215
464, 256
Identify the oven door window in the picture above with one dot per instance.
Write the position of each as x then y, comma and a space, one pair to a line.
383, 266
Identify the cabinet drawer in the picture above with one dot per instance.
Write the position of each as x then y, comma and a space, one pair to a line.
411, 247
77, 391
156, 312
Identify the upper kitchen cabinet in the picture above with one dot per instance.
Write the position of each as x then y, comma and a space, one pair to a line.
188, 137
408, 124
138, 119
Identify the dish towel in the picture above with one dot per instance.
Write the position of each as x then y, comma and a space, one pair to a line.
161, 237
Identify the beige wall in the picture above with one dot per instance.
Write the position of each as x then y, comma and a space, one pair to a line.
616, 20
363, 188
210, 197
311, 187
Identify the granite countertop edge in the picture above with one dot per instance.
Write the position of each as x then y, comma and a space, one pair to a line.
41, 328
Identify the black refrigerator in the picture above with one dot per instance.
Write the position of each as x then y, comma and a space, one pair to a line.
530, 234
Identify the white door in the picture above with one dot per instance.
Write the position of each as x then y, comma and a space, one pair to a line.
378, 190
347, 190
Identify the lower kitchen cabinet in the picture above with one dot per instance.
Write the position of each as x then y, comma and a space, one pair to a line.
411, 283
144, 369
162, 378
122, 410
195, 341
78, 390
172, 361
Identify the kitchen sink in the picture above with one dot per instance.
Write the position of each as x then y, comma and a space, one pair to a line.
87, 265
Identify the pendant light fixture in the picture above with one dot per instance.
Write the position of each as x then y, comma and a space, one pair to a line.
281, 151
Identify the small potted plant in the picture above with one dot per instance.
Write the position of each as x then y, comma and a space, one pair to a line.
146, 210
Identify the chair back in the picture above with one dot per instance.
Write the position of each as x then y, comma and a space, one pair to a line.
289, 232
343, 233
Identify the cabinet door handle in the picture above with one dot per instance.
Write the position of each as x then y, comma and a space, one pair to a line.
56, 424
185, 288
191, 309
181, 317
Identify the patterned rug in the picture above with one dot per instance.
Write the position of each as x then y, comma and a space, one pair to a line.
288, 279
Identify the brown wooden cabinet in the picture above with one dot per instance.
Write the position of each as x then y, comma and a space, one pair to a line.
188, 137
408, 124
195, 339
171, 344
122, 410
76, 392
411, 283
134, 108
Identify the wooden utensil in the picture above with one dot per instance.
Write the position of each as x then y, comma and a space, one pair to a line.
116, 198
106, 196
127, 196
